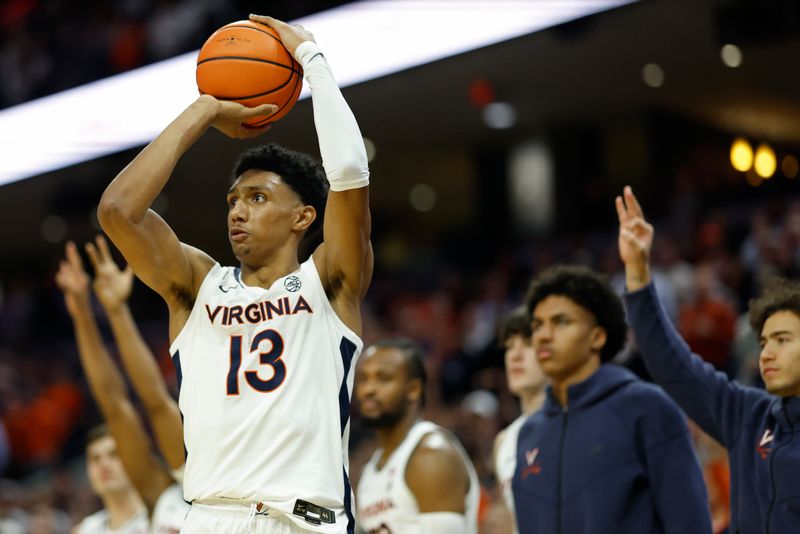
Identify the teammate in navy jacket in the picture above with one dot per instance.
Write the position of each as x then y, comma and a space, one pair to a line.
757, 427
607, 453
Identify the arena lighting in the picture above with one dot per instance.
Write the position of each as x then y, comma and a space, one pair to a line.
765, 163
741, 155
362, 41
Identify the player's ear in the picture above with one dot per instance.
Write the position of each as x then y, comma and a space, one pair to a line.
598, 338
304, 217
414, 390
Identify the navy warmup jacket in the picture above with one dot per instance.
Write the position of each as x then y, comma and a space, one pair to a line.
617, 461
758, 429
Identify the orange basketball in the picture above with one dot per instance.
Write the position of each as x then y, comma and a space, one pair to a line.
246, 62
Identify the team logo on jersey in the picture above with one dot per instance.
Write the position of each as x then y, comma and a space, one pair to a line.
765, 445
292, 283
533, 467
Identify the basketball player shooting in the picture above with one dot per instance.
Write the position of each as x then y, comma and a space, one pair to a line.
264, 351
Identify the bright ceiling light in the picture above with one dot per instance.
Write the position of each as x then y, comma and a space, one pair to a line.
741, 155
765, 163
362, 41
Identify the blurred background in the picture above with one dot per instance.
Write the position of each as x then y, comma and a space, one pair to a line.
486, 167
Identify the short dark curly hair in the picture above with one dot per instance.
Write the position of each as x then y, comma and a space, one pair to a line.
517, 322
589, 290
780, 294
303, 174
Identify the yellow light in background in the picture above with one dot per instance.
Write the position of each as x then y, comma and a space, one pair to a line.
790, 166
741, 155
765, 162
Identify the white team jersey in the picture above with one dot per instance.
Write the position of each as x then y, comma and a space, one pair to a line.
169, 512
386, 505
265, 380
505, 460
97, 523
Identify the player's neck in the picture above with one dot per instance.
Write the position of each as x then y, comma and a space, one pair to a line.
390, 438
121, 506
277, 266
531, 401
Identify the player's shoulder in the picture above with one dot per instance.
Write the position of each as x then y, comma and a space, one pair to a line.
434, 455
94, 523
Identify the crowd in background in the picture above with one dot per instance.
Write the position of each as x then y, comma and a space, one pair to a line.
40, 40
705, 283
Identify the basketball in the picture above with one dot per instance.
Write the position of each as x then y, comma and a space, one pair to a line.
246, 62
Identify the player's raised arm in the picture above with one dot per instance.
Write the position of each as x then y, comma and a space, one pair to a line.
345, 258
107, 386
113, 288
146, 241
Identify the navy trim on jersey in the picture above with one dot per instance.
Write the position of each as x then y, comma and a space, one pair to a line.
351, 522
176, 361
237, 273
347, 349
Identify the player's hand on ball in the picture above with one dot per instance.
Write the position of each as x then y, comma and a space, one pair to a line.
111, 284
292, 35
73, 281
229, 116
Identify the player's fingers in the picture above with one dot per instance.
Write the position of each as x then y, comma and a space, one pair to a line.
263, 109
269, 21
632, 202
631, 238
91, 250
621, 214
73, 258
102, 245
128, 272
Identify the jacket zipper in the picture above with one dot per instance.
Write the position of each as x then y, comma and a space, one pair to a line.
772, 456
559, 524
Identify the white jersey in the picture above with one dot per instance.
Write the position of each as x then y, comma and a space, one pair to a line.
505, 460
265, 380
169, 512
386, 505
97, 523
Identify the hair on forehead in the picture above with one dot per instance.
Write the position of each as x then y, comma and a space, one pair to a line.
517, 322
414, 357
779, 295
97, 433
589, 290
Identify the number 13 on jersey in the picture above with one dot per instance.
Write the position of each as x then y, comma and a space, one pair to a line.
271, 358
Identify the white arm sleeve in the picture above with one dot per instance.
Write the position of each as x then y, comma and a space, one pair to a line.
443, 523
340, 143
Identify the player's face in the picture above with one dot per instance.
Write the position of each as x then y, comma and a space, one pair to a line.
382, 386
565, 338
780, 354
105, 470
262, 213
523, 372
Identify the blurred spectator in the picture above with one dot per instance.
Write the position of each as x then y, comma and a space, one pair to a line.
707, 322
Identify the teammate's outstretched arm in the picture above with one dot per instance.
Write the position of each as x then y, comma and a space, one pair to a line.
706, 395
345, 258
113, 288
107, 386
147, 242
